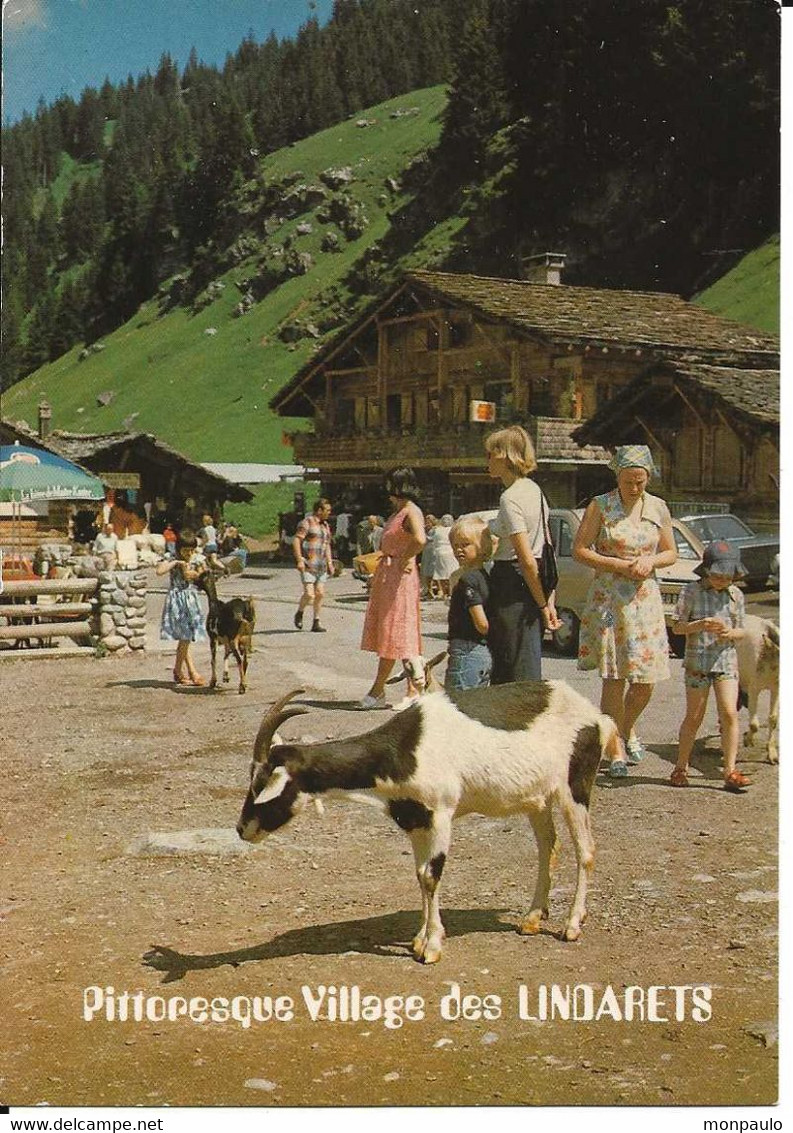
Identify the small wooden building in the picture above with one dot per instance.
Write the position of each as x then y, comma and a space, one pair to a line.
713, 430
398, 386
140, 470
137, 470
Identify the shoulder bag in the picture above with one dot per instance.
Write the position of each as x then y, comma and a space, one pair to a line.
546, 563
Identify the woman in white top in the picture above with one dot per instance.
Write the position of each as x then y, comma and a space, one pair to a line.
519, 612
444, 559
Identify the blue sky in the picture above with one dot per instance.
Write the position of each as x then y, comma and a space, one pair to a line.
52, 47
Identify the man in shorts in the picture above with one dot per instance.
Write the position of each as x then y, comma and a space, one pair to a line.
311, 547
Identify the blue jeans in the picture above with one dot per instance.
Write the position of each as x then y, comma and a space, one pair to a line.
469, 665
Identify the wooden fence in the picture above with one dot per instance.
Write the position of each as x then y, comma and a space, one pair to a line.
45, 608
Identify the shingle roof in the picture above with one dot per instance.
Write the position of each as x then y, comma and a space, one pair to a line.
76, 445
638, 319
654, 322
83, 446
553, 442
752, 395
753, 392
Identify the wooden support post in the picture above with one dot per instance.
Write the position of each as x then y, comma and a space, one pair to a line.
28, 589
45, 629
56, 610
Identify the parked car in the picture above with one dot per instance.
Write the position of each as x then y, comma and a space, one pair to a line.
757, 551
575, 577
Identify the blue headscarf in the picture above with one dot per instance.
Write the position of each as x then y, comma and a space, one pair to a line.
633, 456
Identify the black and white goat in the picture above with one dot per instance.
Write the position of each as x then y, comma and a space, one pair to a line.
230, 623
493, 751
758, 666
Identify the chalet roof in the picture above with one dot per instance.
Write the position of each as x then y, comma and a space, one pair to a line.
638, 319
553, 442
20, 432
85, 446
656, 323
755, 393
751, 395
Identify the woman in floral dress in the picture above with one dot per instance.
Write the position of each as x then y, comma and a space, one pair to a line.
625, 535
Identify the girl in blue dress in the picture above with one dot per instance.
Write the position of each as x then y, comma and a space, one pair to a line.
182, 617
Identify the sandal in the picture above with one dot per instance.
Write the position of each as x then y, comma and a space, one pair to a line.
178, 679
679, 777
196, 681
736, 782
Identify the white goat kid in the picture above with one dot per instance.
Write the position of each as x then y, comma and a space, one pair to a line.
495, 751
758, 666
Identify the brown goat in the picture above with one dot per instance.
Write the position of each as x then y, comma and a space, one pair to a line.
231, 623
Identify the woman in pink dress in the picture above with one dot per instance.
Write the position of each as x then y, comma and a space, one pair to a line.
392, 628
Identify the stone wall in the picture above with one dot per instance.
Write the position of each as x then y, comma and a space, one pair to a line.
121, 612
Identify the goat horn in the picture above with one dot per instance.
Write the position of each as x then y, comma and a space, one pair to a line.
436, 660
274, 716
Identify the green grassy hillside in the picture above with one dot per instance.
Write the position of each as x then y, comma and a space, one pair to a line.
749, 293
201, 381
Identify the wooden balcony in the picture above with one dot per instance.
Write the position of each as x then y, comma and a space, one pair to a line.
452, 448
449, 446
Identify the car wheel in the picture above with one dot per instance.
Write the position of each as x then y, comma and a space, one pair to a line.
677, 643
565, 638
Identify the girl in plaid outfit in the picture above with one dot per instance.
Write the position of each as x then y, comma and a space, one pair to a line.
711, 614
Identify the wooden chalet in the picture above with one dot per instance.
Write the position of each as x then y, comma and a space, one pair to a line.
397, 386
713, 430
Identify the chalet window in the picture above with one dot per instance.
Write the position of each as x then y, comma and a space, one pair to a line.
604, 391
460, 334
345, 413
501, 394
540, 397
393, 411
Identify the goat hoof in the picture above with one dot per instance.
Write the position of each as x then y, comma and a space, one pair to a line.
531, 925
572, 932
431, 956
226, 678
242, 690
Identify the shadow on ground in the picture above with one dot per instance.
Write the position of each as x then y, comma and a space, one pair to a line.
388, 935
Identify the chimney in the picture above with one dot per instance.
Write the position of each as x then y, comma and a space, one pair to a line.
546, 267
45, 418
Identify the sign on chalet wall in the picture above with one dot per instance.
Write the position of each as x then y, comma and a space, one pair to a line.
120, 479
484, 411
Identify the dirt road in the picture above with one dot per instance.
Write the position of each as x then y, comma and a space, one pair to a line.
121, 794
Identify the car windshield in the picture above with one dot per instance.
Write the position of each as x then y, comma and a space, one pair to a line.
719, 527
684, 548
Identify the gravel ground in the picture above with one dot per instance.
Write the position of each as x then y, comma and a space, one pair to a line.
121, 795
